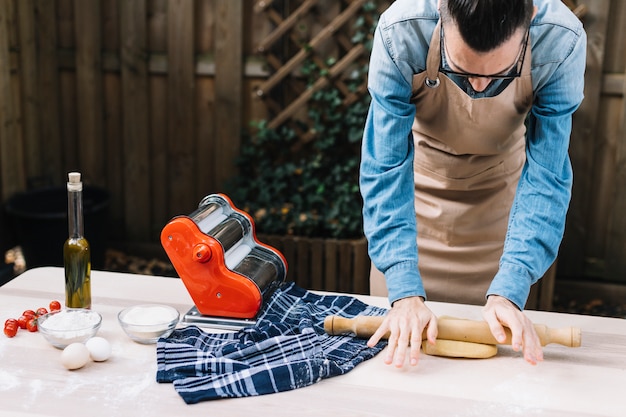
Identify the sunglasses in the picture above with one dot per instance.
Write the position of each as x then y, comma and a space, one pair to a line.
515, 70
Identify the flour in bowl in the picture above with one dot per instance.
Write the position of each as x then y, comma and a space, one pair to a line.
70, 320
148, 315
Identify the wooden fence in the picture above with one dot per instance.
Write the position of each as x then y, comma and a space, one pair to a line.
148, 98
325, 264
595, 241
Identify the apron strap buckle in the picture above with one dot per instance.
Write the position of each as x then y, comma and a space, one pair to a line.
432, 83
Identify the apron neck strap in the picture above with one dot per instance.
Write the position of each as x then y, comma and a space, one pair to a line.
433, 59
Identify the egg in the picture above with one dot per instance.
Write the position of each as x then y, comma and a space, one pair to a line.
99, 348
75, 356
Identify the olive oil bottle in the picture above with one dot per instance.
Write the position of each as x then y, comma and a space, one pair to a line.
76, 251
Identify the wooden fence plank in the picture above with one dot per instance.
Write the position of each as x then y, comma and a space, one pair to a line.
585, 123
11, 150
206, 182
181, 113
361, 268
616, 238
29, 89
228, 87
160, 212
330, 265
345, 276
67, 85
157, 25
613, 84
113, 141
89, 91
317, 264
48, 94
110, 13
7, 237
158, 64
205, 98
288, 249
136, 168
604, 150
303, 272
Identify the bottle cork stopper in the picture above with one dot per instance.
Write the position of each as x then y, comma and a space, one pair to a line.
74, 177
74, 183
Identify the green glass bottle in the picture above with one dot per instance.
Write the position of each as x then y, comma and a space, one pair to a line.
76, 251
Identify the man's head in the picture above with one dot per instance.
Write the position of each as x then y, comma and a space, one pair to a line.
484, 38
487, 24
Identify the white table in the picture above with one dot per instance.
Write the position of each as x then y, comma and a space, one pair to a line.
585, 381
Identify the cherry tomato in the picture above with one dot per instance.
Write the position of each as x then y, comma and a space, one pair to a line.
31, 325
41, 311
29, 313
10, 330
21, 322
55, 305
10, 321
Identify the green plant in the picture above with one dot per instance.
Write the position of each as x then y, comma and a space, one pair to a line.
307, 184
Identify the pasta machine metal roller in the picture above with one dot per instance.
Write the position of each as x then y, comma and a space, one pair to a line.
225, 269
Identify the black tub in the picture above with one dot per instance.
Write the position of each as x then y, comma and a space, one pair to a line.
39, 220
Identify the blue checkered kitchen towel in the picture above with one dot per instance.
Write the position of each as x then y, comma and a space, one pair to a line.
285, 350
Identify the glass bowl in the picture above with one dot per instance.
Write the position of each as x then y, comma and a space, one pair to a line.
71, 325
146, 323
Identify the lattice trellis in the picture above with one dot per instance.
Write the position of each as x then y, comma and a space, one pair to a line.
317, 30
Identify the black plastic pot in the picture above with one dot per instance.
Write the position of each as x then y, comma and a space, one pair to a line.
39, 219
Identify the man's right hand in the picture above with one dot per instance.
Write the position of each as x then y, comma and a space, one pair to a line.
405, 323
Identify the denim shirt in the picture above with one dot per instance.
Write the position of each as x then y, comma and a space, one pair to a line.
537, 217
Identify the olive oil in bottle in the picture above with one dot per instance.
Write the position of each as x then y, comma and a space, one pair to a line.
76, 251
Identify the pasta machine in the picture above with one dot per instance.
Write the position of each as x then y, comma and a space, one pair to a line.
225, 269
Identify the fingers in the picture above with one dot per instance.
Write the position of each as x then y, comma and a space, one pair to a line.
405, 324
403, 341
490, 315
431, 333
416, 341
378, 334
497, 330
531, 344
392, 341
400, 338
500, 312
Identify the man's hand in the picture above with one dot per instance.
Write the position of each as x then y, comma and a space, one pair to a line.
405, 323
499, 312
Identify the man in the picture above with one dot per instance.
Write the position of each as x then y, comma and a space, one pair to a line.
465, 173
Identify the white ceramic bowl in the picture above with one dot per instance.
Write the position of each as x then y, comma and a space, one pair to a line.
71, 325
146, 323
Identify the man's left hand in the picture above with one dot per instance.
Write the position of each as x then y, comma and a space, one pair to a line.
499, 312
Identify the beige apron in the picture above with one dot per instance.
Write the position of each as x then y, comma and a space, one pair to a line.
469, 154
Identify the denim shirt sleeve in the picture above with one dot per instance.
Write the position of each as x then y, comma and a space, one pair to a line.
386, 173
537, 219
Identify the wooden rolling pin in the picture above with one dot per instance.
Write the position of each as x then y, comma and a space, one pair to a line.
451, 329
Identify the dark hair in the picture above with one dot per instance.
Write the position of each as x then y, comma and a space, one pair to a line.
486, 24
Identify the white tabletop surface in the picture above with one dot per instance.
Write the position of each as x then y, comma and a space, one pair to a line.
585, 381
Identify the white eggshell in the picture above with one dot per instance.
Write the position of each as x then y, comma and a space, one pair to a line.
75, 356
99, 348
